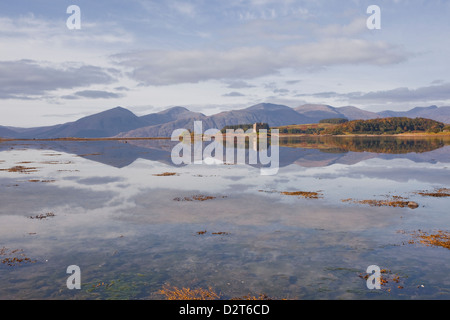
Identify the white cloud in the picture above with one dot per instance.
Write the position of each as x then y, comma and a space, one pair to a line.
423, 94
355, 27
28, 79
233, 94
154, 67
35, 38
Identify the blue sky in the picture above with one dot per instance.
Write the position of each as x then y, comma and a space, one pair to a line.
212, 56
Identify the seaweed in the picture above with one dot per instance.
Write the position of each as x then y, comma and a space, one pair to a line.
304, 194
174, 293
14, 257
391, 203
438, 193
21, 169
43, 216
198, 197
166, 174
439, 239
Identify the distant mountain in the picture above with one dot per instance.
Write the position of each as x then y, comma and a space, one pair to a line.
273, 114
441, 114
120, 122
164, 129
353, 113
37, 132
317, 112
169, 115
101, 125
7, 133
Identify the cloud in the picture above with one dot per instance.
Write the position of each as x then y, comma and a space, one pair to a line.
291, 82
427, 94
329, 94
166, 67
355, 27
239, 84
422, 94
93, 94
122, 88
53, 32
28, 79
233, 94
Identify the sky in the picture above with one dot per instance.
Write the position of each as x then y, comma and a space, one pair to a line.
212, 56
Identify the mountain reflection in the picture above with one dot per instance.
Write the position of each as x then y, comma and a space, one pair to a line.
307, 151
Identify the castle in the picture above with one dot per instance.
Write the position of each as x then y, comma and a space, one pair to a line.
258, 126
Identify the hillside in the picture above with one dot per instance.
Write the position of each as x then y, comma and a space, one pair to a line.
392, 125
353, 113
120, 122
6, 132
274, 115
441, 114
317, 112
169, 115
101, 125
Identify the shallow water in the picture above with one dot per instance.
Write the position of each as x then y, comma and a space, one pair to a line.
128, 231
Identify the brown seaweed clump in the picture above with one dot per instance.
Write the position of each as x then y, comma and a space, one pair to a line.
21, 169
174, 293
14, 257
386, 277
166, 174
304, 194
439, 239
37, 180
390, 203
438, 193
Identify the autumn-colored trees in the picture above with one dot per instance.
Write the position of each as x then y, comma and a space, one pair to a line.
244, 127
393, 125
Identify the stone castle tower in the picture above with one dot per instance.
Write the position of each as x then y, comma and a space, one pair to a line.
257, 126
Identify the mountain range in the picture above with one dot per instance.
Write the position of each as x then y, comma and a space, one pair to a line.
122, 123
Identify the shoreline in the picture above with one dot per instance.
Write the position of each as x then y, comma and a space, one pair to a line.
85, 139
400, 135
281, 135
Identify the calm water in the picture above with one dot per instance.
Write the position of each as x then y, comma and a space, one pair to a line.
103, 207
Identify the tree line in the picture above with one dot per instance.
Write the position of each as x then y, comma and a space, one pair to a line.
394, 125
245, 127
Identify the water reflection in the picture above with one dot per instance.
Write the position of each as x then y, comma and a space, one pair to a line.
310, 151
385, 145
117, 217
